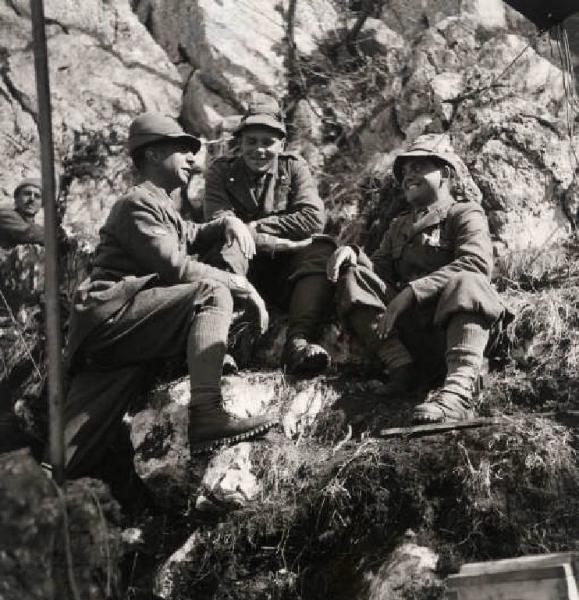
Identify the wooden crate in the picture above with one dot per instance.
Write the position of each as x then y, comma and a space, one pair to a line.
541, 577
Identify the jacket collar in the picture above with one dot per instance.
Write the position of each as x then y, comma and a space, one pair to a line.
239, 182
434, 214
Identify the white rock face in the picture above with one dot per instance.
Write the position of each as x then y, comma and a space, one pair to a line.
234, 48
409, 568
229, 481
159, 434
104, 70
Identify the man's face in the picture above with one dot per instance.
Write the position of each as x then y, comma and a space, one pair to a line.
176, 160
421, 180
259, 147
28, 200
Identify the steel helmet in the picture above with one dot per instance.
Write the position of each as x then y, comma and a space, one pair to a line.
152, 127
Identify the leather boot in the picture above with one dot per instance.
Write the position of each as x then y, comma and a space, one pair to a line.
304, 359
211, 426
310, 298
443, 406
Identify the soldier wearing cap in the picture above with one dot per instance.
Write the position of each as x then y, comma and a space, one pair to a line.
428, 281
273, 192
147, 298
17, 225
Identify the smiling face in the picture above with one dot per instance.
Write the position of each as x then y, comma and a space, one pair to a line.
422, 180
174, 161
259, 147
28, 201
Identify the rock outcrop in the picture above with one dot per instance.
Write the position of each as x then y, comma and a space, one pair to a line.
232, 48
104, 70
55, 544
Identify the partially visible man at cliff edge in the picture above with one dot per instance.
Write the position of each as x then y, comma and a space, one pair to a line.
17, 224
149, 299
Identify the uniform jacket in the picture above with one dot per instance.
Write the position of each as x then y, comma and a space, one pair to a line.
143, 240
292, 208
14, 230
426, 253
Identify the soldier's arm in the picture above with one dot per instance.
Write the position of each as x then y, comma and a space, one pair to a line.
473, 251
216, 202
305, 214
155, 246
14, 229
382, 260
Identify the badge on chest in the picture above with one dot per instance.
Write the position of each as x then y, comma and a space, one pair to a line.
431, 237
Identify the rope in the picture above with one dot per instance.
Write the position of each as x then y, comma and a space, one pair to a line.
67, 545
105, 530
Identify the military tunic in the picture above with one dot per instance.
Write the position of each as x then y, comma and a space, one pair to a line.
289, 206
283, 203
137, 306
15, 229
445, 255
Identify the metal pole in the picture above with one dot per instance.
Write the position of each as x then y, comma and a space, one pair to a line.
53, 330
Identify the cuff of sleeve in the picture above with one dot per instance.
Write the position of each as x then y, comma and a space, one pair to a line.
421, 289
362, 257
264, 242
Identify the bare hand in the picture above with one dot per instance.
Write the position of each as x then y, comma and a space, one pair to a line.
402, 302
236, 230
241, 288
342, 256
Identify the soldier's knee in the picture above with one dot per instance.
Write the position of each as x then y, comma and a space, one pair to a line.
468, 279
216, 295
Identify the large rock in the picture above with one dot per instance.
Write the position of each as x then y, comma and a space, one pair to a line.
503, 106
55, 544
233, 48
104, 70
225, 479
409, 572
159, 435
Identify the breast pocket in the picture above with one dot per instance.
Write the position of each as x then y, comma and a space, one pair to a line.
281, 198
434, 238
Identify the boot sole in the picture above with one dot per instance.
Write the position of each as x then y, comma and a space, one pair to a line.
211, 445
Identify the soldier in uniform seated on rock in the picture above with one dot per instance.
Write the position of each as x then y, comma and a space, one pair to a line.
17, 225
274, 193
430, 278
148, 299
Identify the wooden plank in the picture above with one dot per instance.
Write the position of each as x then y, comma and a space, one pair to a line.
569, 416
436, 428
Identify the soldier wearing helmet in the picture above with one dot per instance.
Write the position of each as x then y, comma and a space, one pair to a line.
17, 225
428, 282
147, 298
273, 192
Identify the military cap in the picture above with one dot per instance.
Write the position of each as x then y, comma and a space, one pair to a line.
263, 111
35, 181
152, 127
428, 145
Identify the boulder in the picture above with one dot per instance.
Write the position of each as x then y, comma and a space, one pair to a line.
29, 520
408, 573
129, 74
55, 544
410, 18
229, 482
159, 434
233, 48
